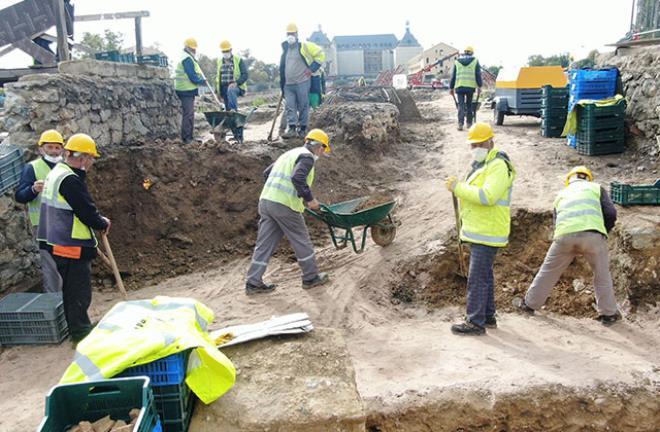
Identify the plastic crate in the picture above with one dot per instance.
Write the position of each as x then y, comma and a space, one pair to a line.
11, 167
550, 123
593, 135
549, 91
601, 147
551, 132
153, 60
174, 404
165, 371
127, 58
69, 404
33, 332
32, 318
635, 194
107, 56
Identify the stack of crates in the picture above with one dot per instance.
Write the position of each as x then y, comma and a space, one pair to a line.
153, 60
31, 318
11, 167
554, 108
173, 398
600, 129
625, 194
115, 56
590, 84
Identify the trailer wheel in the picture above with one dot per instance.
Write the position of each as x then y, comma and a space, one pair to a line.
498, 117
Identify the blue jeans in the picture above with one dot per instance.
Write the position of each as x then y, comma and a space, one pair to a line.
230, 97
465, 106
297, 104
481, 284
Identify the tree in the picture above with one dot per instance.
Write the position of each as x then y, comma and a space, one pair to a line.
109, 41
494, 69
562, 60
588, 62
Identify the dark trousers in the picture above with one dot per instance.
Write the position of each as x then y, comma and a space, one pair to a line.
77, 294
465, 106
187, 117
481, 284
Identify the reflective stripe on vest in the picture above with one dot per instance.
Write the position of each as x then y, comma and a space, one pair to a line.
279, 187
181, 80
58, 225
41, 170
465, 75
578, 209
237, 72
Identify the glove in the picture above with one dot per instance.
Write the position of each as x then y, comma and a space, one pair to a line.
450, 183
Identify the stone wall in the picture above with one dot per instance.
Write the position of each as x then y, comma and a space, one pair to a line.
19, 259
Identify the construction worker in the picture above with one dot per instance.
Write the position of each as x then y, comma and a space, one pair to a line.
299, 61
485, 200
68, 218
232, 76
187, 79
361, 82
465, 78
583, 215
317, 89
51, 146
281, 206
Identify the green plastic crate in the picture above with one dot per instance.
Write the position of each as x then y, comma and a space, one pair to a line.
69, 404
547, 123
153, 60
112, 56
600, 148
32, 318
554, 91
635, 194
593, 135
174, 404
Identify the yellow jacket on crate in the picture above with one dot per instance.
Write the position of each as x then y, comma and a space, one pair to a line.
137, 332
485, 201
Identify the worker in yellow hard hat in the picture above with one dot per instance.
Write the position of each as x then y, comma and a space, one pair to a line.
281, 205
232, 76
30, 185
299, 62
583, 216
484, 200
66, 229
465, 80
188, 76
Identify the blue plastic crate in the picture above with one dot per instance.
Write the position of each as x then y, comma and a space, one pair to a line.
170, 370
11, 167
112, 56
580, 75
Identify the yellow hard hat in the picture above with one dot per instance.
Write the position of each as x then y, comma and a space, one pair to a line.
319, 136
469, 49
292, 28
190, 43
82, 143
51, 136
480, 132
225, 45
579, 170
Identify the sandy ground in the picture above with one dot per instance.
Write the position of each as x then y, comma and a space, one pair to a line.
395, 348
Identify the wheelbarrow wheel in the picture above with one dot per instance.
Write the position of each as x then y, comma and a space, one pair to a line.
383, 235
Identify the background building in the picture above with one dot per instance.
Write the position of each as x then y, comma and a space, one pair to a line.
432, 55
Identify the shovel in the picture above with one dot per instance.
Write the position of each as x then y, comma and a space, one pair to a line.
462, 268
277, 112
110, 261
215, 97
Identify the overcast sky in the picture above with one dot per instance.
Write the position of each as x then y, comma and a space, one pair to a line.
503, 32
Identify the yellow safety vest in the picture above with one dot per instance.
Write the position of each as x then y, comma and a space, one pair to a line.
485, 202
137, 332
279, 187
465, 75
237, 72
41, 170
181, 80
312, 53
578, 209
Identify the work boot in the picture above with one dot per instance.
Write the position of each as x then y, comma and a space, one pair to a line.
521, 306
491, 322
460, 127
468, 329
319, 279
301, 131
469, 125
258, 289
608, 320
290, 132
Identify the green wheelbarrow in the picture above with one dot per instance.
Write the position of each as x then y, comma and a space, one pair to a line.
348, 215
232, 120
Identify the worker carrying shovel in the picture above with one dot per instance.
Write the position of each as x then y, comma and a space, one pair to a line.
281, 206
485, 203
465, 79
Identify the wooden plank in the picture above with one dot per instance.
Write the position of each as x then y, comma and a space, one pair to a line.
111, 16
38, 53
62, 36
138, 36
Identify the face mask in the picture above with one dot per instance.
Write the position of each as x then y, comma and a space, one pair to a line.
53, 159
479, 154
226, 55
291, 39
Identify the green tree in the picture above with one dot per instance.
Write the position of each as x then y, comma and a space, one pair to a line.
109, 41
587, 62
494, 69
563, 60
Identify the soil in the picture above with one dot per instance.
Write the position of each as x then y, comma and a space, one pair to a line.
374, 201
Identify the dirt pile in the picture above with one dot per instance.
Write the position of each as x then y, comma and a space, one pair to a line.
402, 99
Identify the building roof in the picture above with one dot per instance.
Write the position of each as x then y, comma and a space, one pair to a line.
319, 38
361, 42
408, 40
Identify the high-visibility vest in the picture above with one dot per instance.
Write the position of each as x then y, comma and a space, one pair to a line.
137, 332
486, 211
465, 75
578, 209
279, 187
237, 72
58, 224
312, 53
181, 80
41, 170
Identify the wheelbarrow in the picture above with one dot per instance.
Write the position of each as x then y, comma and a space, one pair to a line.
343, 216
232, 120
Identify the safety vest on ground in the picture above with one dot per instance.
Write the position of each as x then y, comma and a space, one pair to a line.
465, 75
237, 72
485, 202
181, 80
138, 332
279, 187
312, 53
578, 209
58, 224
41, 170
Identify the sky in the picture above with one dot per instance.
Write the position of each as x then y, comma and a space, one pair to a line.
502, 32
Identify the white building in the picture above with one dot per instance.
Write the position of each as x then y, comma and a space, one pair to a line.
432, 55
407, 48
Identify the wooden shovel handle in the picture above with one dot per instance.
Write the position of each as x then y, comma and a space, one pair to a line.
113, 264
